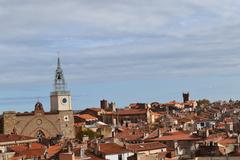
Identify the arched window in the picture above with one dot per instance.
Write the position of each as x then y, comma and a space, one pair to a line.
40, 135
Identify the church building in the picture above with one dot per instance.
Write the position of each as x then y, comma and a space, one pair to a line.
38, 123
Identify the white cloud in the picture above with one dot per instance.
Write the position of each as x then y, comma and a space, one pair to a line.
121, 39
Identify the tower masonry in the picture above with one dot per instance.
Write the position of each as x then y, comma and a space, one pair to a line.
60, 97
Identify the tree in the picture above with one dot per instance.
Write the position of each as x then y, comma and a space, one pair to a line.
203, 102
87, 132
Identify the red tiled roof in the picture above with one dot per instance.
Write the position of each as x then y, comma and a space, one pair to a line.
227, 141
95, 109
92, 156
130, 134
154, 134
228, 120
32, 153
52, 150
21, 148
220, 125
85, 116
112, 148
14, 137
126, 112
130, 111
179, 136
145, 146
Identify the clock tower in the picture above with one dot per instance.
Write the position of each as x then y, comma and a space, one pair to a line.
60, 97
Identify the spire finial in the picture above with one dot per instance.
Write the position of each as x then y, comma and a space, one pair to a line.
58, 62
59, 78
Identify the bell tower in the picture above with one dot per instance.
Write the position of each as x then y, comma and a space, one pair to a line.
60, 98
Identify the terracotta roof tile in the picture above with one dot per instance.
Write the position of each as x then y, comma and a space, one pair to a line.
85, 116
92, 156
179, 136
130, 134
145, 146
130, 111
112, 148
14, 137
21, 148
52, 150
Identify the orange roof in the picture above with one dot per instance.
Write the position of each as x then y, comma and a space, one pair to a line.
92, 156
173, 103
126, 112
179, 136
85, 116
228, 141
14, 137
32, 153
228, 120
154, 134
221, 125
34, 150
130, 111
21, 148
95, 109
52, 150
130, 134
112, 148
145, 146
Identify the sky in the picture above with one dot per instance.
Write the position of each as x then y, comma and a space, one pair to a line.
125, 51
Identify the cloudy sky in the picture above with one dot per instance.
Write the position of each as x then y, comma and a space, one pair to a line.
125, 51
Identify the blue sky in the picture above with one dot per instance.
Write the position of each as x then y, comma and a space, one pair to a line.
124, 51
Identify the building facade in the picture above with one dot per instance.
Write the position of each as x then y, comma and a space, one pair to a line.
38, 123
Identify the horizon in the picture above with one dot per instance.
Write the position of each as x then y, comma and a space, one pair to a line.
126, 52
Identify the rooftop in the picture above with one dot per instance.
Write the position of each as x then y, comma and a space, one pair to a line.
145, 146
112, 148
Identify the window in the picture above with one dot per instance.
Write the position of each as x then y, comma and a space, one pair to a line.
119, 157
40, 135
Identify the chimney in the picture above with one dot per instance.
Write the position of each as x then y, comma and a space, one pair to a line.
134, 132
97, 149
159, 133
114, 122
145, 135
113, 133
69, 149
82, 152
126, 124
29, 145
45, 154
85, 139
207, 133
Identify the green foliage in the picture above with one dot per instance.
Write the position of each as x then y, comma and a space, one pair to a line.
203, 102
87, 132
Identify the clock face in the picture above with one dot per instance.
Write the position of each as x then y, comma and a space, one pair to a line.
64, 100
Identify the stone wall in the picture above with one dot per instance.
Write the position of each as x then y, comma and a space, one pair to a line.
50, 124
